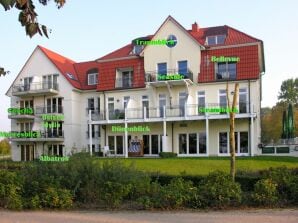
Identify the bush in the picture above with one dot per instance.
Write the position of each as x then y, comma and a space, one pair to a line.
218, 190
265, 192
167, 154
117, 182
286, 181
10, 190
56, 198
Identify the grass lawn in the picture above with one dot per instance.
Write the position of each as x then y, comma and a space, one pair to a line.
202, 166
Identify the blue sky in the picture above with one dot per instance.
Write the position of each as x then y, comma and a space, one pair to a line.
86, 30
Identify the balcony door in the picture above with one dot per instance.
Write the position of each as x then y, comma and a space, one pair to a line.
182, 68
27, 83
127, 79
162, 103
222, 99
182, 102
111, 107
145, 106
162, 69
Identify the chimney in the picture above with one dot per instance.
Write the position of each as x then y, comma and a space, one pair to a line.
195, 27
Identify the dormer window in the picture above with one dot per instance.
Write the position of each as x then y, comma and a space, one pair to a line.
92, 76
215, 40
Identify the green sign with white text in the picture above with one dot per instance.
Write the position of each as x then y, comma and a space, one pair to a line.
224, 59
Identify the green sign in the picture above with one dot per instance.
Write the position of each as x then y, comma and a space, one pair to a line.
224, 59
54, 158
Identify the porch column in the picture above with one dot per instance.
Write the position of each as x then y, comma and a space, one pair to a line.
125, 134
252, 135
164, 140
90, 133
207, 134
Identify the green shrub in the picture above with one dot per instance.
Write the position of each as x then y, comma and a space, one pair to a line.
117, 182
167, 154
265, 192
218, 190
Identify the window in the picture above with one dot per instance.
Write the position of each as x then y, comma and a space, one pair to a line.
91, 105
223, 142
243, 142
162, 68
154, 144
192, 143
225, 71
182, 144
202, 143
214, 40
92, 76
27, 83
92, 129
111, 107
201, 102
182, 67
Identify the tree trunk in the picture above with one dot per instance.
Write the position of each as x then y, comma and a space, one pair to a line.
232, 128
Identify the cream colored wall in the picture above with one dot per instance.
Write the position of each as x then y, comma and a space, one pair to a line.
185, 49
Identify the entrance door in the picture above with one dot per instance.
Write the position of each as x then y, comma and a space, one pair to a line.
119, 144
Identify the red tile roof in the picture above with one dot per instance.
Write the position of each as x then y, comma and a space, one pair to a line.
64, 65
233, 37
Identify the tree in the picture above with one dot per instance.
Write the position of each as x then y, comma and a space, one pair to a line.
232, 129
4, 147
28, 18
289, 91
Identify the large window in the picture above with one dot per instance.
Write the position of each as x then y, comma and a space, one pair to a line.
241, 142
226, 71
152, 144
214, 40
124, 78
192, 143
182, 102
92, 76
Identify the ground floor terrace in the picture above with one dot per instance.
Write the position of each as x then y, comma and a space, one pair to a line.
186, 138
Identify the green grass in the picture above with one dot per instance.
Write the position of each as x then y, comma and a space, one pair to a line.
202, 166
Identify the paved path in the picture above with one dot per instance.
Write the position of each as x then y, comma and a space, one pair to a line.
250, 216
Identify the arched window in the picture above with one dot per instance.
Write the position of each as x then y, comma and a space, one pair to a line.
92, 76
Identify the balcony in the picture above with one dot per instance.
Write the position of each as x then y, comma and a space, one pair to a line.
39, 110
171, 76
175, 112
42, 136
35, 89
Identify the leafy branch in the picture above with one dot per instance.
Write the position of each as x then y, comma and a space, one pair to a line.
28, 15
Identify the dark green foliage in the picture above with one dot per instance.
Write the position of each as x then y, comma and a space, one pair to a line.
167, 154
285, 179
265, 193
219, 190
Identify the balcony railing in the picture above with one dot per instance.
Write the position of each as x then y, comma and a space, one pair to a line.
187, 110
124, 82
34, 87
49, 109
169, 75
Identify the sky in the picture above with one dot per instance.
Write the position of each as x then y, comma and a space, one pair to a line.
87, 30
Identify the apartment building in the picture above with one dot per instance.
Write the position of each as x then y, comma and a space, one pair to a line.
176, 90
